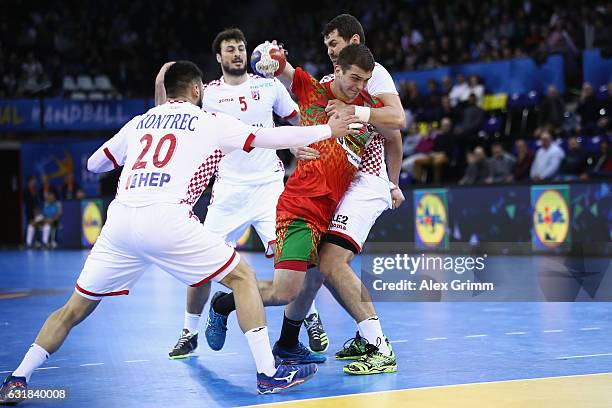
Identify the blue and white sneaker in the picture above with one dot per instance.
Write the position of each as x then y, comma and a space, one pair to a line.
216, 325
286, 376
13, 390
299, 354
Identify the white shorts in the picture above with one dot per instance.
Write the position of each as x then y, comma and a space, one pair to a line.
233, 208
367, 197
164, 235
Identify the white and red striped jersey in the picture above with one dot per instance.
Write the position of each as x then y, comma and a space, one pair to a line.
253, 102
373, 159
170, 153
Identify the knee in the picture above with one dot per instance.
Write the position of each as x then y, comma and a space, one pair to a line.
241, 275
69, 314
328, 266
287, 294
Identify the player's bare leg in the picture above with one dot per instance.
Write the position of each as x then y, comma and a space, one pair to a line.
283, 289
49, 340
252, 321
376, 356
59, 323
188, 340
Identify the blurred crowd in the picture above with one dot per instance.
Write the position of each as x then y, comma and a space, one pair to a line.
128, 41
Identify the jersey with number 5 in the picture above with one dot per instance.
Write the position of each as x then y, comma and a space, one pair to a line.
170, 153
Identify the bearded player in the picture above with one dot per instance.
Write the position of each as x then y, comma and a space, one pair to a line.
305, 208
247, 185
168, 157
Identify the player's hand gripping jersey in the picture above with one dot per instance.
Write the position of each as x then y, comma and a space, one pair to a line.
315, 187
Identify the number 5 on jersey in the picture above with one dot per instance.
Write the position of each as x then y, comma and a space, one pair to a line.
148, 142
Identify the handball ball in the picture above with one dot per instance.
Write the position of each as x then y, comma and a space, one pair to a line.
268, 60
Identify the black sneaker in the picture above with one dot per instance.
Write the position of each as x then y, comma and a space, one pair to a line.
13, 390
185, 346
317, 337
353, 349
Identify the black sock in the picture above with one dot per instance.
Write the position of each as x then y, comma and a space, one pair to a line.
225, 304
290, 333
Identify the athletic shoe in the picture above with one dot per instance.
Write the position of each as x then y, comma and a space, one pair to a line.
216, 325
373, 362
185, 346
317, 338
11, 386
300, 354
286, 376
353, 349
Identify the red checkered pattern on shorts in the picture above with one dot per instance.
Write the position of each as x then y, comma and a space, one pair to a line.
372, 159
202, 177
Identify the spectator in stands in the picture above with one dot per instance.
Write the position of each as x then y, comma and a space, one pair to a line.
52, 211
547, 160
472, 119
440, 155
70, 190
588, 109
447, 85
602, 162
32, 206
45, 188
477, 170
574, 164
476, 88
417, 145
32, 77
500, 164
445, 110
524, 159
460, 92
604, 124
411, 99
551, 112
411, 139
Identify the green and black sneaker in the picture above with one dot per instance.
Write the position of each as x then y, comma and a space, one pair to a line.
373, 362
185, 346
353, 349
317, 338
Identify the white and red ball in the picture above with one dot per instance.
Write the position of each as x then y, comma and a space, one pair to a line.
268, 60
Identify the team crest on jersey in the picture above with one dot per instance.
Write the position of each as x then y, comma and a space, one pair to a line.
255, 94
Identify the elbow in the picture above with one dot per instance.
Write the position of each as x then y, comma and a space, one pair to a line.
401, 121
91, 166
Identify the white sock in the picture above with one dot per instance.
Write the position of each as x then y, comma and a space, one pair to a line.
191, 322
46, 232
30, 234
34, 358
370, 329
313, 309
259, 343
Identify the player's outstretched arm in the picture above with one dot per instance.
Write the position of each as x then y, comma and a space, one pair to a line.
160, 89
287, 137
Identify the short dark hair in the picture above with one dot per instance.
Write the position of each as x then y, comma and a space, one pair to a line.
347, 26
356, 54
179, 77
226, 35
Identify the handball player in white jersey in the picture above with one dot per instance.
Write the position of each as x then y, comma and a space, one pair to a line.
168, 156
247, 185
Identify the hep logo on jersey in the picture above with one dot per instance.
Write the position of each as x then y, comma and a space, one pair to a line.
153, 179
255, 94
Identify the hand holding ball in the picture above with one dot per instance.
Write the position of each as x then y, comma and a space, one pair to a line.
268, 60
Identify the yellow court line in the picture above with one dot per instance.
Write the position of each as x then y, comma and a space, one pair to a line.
576, 391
